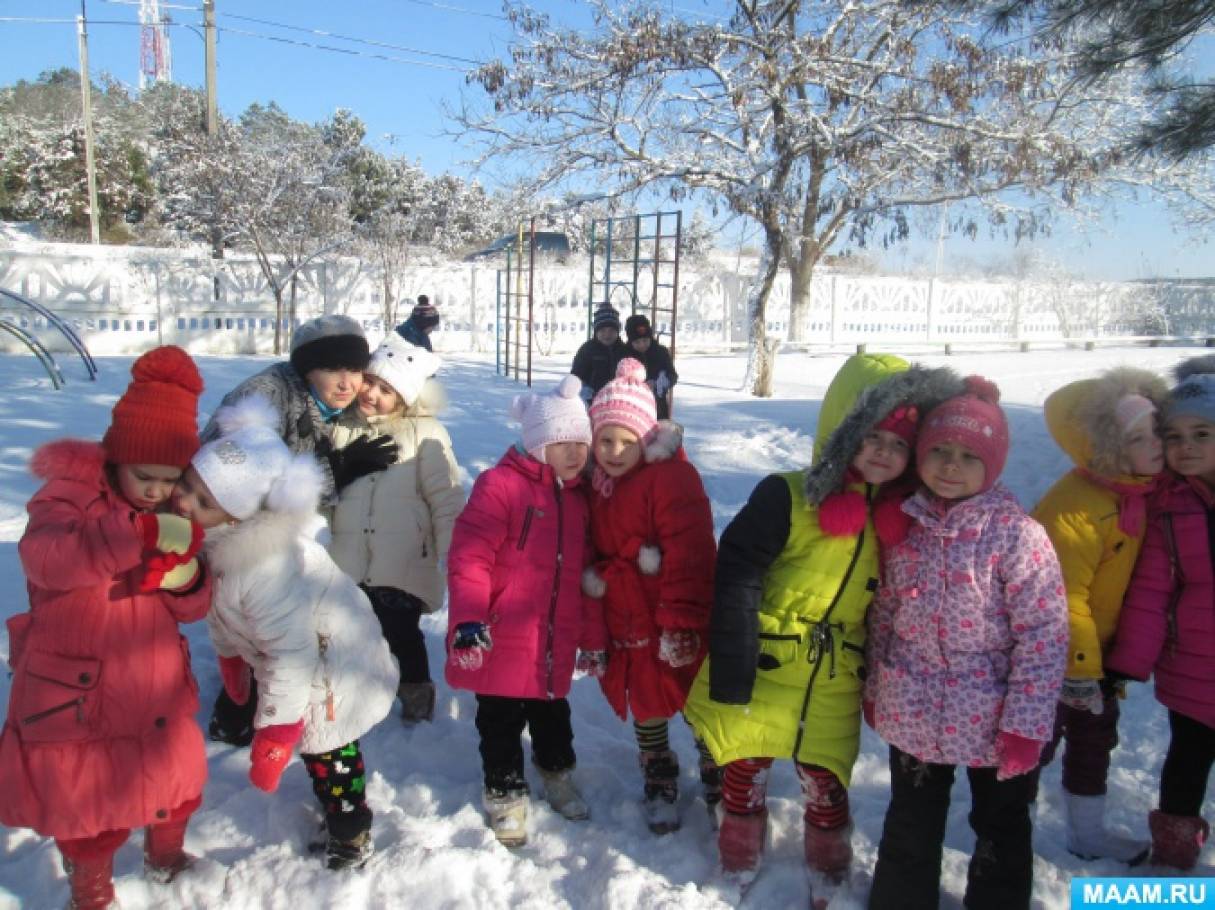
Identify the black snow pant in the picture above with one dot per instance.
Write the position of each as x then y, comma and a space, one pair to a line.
339, 781
236, 721
399, 613
908, 873
1187, 766
500, 721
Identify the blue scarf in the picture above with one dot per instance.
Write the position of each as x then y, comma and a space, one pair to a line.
328, 414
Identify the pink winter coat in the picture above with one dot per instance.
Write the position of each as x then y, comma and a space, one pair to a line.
100, 733
968, 632
1176, 641
515, 564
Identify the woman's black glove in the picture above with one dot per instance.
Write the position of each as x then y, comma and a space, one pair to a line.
362, 457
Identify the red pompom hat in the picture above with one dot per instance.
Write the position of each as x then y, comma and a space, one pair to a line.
973, 419
156, 419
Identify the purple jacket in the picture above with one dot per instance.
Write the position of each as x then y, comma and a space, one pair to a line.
968, 632
1180, 649
515, 564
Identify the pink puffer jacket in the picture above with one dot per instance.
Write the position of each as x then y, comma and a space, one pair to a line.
515, 564
100, 733
968, 632
1176, 641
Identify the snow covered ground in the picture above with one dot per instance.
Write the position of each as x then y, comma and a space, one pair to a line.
433, 848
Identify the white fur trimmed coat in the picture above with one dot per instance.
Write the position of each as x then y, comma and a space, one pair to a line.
315, 646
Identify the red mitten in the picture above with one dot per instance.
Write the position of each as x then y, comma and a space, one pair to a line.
270, 753
236, 676
867, 709
1016, 755
167, 533
678, 647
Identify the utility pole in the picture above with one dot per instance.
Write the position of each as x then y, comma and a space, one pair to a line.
209, 32
217, 243
86, 100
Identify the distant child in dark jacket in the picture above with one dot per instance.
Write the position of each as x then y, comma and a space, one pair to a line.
660, 373
517, 617
967, 646
595, 362
1167, 626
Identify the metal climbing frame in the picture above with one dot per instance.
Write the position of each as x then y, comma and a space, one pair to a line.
516, 305
66, 330
637, 257
43, 355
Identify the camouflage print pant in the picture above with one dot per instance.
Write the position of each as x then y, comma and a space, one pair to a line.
339, 781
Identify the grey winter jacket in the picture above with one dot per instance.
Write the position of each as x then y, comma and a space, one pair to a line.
300, 425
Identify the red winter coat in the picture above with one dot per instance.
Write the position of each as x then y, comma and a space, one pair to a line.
515, 564
661, 504
100, 733
1176, 641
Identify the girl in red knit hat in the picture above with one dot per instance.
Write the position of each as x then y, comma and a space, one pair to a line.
967, 645
652, 529
100, 735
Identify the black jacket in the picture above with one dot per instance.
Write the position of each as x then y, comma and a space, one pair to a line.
595, 363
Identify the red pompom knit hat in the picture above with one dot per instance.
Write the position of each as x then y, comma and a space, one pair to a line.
626, 402
973, 419
156, 419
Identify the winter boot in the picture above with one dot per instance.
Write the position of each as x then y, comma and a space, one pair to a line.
91, 880
828, 860
1088, 838
417, 702
507, 816
349, 854
1177, 839
562, 794
740, 845
163, 856
661, 771
710, 781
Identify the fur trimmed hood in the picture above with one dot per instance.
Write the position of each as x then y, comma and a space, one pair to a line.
667, 438
234, 548
1081, 419
69, 459
924, 387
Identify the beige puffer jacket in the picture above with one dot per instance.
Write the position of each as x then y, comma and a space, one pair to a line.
393, 527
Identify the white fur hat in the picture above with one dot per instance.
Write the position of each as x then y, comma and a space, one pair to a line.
404, 366
249, 468
559, 416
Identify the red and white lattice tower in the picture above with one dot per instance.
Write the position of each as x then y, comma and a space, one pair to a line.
155, 58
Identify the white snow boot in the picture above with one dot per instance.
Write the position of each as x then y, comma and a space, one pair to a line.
507, 816
562, 794
1088, 838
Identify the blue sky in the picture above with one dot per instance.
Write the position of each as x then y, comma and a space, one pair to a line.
432, 44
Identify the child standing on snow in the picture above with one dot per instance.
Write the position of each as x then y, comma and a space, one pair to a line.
967, 647
652, 530
284, 615
796, 569
392, 529
516, 614
100, 735
1167, 626
1095, 516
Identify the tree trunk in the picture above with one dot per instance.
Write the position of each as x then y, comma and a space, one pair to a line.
801, 276
762, 359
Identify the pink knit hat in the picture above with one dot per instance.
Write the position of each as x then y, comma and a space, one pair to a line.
559, 416
626, 401
973, 419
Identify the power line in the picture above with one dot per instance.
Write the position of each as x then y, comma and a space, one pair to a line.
457, 9
342, 50
324, 34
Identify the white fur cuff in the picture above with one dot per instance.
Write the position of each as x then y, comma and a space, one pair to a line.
592, 584
649, 560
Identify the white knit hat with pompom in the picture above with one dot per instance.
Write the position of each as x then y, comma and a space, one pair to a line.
249, 468
559, 416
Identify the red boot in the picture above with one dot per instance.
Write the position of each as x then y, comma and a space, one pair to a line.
91, 879
163, 856
740, 844
1177, 839
828, 860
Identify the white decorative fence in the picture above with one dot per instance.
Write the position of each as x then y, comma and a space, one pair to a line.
126, 299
